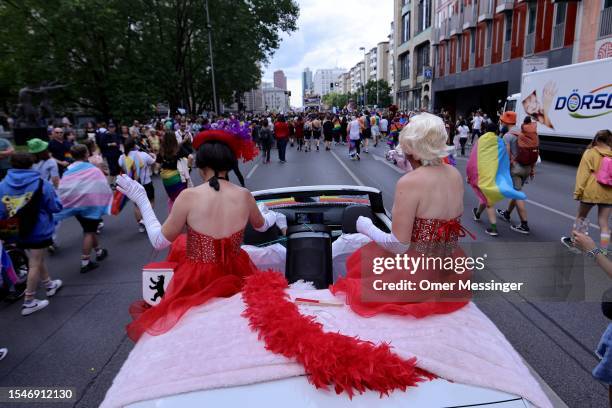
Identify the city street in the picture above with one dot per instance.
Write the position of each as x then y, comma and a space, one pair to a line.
79, 339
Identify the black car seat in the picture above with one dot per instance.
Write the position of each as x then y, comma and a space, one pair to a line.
309, 254
256, 238
350, 215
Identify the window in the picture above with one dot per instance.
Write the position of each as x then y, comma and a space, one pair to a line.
472, 41
561, 11
532, 18
422, 58
489, 34
405, 27
424, 15
404, 61
508, 36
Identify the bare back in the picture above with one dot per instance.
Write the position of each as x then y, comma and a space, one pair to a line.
217, 214
431, 192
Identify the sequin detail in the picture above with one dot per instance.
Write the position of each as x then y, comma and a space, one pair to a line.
206, 249
430, 235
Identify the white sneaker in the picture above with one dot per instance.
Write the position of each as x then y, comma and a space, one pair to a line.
141, 227
3, 352
34, 306
57, 283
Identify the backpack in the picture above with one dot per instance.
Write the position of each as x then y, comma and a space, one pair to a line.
528, 148
604, 173
20, 224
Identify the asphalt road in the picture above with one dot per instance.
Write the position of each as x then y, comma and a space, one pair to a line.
79, 340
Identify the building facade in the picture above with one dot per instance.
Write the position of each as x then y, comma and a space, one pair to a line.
276, 99
391, 61
412, 40
327, 80
307, 84
481, 47
594, 43
280, 80
254, 100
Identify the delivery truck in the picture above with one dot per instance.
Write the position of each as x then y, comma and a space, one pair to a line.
570, 104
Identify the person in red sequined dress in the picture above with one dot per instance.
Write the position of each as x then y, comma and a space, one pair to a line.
426, 211
211, 262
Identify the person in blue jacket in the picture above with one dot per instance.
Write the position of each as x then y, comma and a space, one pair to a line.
16, 190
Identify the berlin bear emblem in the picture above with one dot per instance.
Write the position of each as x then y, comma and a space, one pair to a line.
158, 287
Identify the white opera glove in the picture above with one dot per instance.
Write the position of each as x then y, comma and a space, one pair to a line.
281, 221
386, 240
136, 192
270, 218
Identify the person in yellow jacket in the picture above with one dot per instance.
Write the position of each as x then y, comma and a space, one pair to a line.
589, 192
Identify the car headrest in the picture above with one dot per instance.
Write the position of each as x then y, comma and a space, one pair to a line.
256, 238
350, 215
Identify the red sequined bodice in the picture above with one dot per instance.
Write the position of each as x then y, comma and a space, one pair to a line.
430, 231
203, 248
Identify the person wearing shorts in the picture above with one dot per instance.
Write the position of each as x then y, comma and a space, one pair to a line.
88, 204
316, 130
22, 180
307, 135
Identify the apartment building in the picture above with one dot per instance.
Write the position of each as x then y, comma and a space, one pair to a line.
326, 81
481, 47
391, 62
412, 50
307, 83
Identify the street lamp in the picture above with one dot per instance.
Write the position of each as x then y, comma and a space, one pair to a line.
363, 83
212, 66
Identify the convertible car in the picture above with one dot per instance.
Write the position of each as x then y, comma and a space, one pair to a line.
473, 362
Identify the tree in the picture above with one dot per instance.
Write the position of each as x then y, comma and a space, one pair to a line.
384, 93
120, 56
335, 99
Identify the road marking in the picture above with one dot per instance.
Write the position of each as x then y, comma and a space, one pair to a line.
385, 161
252, 171
359, 182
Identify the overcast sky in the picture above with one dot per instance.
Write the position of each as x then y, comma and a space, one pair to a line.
329, 34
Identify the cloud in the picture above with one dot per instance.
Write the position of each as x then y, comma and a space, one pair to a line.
329, 34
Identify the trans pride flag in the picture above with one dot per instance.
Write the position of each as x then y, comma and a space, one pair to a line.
488, 171
84, 191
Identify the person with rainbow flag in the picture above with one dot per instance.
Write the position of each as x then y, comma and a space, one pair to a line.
488, 172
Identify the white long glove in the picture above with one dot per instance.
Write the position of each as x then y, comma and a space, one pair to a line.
270, 218
136, 192
386, 240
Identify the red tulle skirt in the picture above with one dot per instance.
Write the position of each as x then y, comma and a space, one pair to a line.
357, 285
193, 284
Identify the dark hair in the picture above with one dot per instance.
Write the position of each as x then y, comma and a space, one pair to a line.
218, 157
169, 145
130, 144
22, 160
79, 152
603, 136
527, 120
491, 127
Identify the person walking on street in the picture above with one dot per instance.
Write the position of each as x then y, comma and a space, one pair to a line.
328, 132
281, 133
384, 127
110, 147
476, 126
488, 172
60, 149
298, 124
43, 162
307, 134
354, 128
343, 129
31, 202
316, 130
366, 130
85, 195
594, 186
266, 138
139, 164
523, 149
462, 133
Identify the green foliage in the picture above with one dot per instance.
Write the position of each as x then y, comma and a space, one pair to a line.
384, 93
118, 57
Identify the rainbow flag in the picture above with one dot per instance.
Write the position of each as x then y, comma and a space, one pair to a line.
488, 171
172, 183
